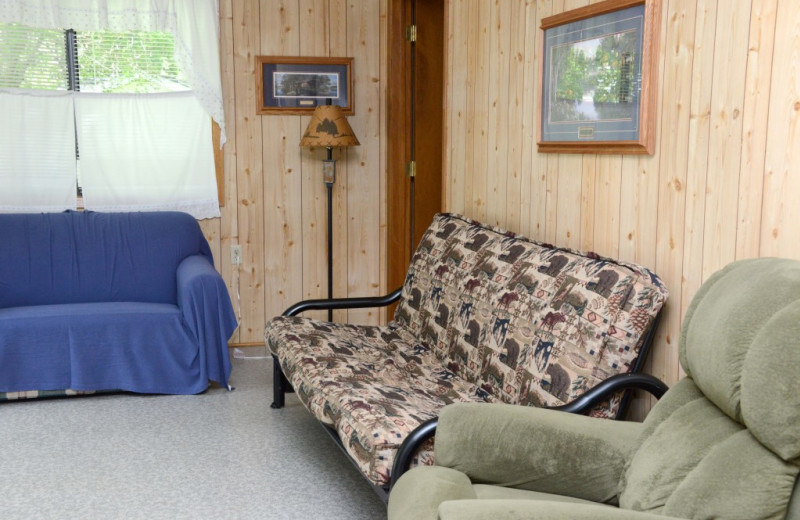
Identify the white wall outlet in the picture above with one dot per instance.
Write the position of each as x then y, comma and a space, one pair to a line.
236, 254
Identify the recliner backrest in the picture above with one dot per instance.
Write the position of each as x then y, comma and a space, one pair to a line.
723, 442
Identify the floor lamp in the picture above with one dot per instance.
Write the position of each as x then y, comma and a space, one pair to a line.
329, 128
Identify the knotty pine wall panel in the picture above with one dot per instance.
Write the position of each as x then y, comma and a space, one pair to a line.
275, 200
723, 183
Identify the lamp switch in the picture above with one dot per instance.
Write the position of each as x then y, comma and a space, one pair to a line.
236, 254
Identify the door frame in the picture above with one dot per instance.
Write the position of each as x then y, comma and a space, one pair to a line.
399, 123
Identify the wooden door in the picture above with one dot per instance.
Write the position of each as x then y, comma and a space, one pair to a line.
414, 119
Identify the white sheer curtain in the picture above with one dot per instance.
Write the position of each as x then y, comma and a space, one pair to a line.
137, 152
194, 24
127, 141
37, 174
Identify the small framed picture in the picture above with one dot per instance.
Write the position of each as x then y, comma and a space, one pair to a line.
598, 78
297, 85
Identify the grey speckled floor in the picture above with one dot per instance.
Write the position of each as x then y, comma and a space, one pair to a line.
217, 455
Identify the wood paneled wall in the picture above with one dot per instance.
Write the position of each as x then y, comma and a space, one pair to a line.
723, 184
275, 200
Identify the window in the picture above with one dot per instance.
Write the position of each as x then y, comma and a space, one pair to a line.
136, 122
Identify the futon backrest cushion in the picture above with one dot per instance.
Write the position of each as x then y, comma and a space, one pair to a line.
528, 322
82, 257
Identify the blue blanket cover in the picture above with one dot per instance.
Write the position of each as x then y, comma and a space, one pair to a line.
101, 301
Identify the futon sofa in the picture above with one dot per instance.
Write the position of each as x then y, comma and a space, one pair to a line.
94, 301
484, 315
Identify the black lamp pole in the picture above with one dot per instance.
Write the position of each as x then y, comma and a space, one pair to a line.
329, 180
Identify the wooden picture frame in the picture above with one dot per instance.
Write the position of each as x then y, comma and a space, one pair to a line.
297, 85
598, 74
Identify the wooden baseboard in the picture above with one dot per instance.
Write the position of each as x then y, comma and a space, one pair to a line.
251, 344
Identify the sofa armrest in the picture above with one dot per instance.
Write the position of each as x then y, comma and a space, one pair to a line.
343, 303
535, 448
206, 307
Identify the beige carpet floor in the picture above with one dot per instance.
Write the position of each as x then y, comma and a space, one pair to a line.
220, 455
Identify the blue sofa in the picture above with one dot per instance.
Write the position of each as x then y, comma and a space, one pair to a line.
95, 301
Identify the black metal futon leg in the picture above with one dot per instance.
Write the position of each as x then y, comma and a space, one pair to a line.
279, 385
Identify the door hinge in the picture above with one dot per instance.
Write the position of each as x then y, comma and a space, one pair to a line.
411, 169
411, 33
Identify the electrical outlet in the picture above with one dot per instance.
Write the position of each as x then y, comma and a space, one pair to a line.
236, 254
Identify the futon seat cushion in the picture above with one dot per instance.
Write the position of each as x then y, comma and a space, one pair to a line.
333, 368
77, 346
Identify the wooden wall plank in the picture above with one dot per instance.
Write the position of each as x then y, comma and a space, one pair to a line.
674, 142
607, 205
781, 210
229, 222
314, 41
530, 115
497, 128
538, 174
480, 122
249, 171
280, 36
456, 104
763, 18
337, 46
725, 141
697, 154
363, 161
516, 119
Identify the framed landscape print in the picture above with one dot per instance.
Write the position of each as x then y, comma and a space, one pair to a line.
597, 78
297, 85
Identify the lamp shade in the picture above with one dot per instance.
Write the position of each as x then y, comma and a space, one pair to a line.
328, 127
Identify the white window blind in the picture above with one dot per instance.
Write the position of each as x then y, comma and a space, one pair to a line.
32, 58
130, 62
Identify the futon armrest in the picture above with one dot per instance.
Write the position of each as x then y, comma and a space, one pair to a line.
608, 387
343, 303
535, 448
206, 307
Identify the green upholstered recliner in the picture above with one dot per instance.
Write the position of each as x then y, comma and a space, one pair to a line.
722, 443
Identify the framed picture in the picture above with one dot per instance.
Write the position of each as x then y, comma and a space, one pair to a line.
296, 85
597, 78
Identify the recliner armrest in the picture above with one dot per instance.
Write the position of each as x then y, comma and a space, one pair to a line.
582, 404
535, 448
536, 510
